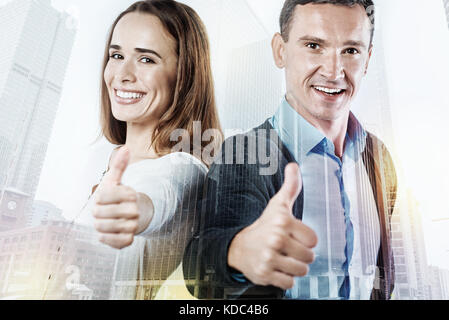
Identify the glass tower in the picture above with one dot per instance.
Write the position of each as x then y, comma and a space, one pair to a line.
36, 44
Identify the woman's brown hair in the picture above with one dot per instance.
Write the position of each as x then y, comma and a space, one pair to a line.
194, 97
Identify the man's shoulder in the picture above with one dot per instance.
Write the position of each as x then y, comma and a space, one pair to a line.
377, 150
377, 147
259, 149
374, 139
253, 133
261, 135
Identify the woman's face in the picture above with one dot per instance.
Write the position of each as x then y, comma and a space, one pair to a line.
142, 69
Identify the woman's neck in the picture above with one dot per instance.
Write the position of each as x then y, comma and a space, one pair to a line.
138, 140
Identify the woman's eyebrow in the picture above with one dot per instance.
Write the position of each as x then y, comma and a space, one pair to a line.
140, 50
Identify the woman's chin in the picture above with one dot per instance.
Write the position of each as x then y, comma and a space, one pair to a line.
119, 116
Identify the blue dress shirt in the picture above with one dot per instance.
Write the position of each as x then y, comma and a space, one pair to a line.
338, 204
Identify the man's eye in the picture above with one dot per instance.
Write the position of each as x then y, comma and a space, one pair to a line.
352, 51
147, 60
313, 46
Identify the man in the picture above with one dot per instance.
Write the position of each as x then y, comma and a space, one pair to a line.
319, 230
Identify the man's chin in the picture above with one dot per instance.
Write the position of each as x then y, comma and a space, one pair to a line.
330, 114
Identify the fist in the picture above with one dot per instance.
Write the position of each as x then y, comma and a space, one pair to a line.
277, 247
116, 211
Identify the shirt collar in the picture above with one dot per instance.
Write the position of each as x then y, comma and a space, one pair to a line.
300, 137
356, 137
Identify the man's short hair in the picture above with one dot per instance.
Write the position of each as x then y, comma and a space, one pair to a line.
290, 5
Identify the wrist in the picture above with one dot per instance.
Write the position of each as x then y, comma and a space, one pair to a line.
146, 212
235, 252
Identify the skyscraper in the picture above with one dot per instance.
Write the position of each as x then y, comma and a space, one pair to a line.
55, 260
418, 245
41, 211
404, 284
248, 85
254, 86
438, 283
446, 6
36, 44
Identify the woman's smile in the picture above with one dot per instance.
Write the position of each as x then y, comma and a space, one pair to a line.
126, 97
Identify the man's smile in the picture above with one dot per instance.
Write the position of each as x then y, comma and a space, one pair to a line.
329, 91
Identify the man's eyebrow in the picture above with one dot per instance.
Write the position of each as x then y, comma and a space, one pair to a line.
355, 43
140, 50
312, 39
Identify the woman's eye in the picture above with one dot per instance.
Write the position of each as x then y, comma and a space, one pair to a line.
147, 60
116, 56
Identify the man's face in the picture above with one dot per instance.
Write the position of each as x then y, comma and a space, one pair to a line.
325, 58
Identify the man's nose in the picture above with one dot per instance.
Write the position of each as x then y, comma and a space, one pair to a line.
126, 72
332, 67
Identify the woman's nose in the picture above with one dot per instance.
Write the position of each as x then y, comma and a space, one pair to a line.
126, 72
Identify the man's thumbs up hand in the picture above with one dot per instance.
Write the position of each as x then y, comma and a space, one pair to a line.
291, 188
116, 210
277, 247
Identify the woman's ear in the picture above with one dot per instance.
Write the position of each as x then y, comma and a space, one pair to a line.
278, 47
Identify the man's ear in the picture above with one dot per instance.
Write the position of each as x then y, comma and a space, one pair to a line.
278, 47
370, 52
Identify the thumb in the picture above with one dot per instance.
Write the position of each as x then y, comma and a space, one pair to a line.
292, 185
117, 167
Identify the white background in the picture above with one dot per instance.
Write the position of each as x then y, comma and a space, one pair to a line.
416, 48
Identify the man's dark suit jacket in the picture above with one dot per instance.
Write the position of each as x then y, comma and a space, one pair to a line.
236, 195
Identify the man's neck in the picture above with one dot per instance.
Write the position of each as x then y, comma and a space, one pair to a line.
335, 130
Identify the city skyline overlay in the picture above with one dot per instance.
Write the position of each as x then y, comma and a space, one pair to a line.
45, 256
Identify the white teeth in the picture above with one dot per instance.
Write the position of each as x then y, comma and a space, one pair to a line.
129, 95
327, 90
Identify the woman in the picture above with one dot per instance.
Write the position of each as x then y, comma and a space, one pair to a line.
157, 81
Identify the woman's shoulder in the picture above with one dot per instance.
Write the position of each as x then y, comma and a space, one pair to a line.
181, 163
180, 158
172, 163
174, 170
